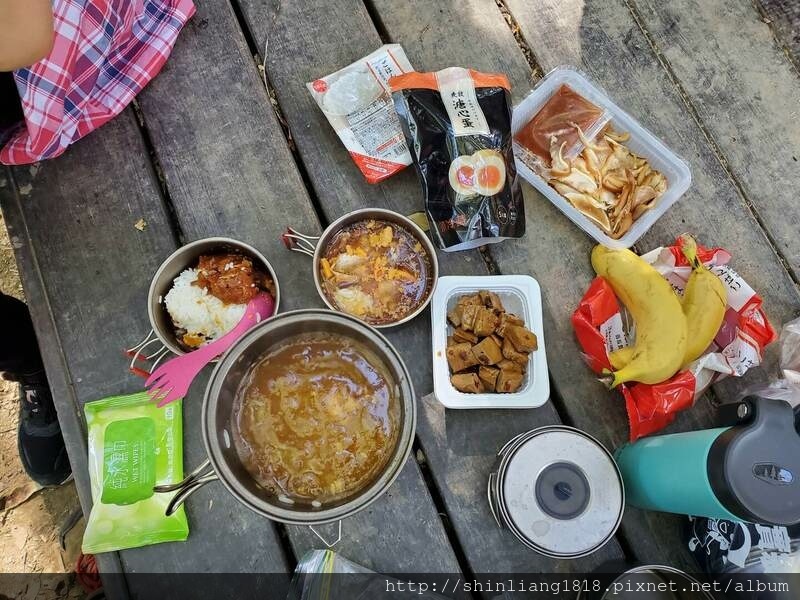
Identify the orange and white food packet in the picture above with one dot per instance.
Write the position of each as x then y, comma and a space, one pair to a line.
359, 107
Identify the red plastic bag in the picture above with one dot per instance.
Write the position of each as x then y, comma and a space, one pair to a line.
600, 324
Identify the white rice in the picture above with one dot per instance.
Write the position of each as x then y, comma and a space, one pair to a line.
352, 91
197, 312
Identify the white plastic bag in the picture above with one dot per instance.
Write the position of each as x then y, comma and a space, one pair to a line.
787, 388
325, 575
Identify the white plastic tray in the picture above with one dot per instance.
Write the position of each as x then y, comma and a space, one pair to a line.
642, 142
520, 295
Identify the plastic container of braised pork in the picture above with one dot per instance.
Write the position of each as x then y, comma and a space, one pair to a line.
641, 142
520, 295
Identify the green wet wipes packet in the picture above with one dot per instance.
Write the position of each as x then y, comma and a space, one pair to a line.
133, 446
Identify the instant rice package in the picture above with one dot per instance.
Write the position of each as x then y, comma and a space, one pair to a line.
358, 106
457, 124
601, 326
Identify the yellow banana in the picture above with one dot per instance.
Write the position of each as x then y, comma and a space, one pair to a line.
704, 303
620, 358
661, 332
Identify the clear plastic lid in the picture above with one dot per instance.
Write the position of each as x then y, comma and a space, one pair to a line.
598, 205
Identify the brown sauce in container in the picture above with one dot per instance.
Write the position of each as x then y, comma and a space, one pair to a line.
557, 118
316, 419
231, 277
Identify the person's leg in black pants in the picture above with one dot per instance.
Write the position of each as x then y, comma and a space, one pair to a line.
41, 446
19, 352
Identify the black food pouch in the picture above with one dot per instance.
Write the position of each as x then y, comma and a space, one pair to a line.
457, 124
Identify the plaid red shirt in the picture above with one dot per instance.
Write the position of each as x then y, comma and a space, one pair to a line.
104, 53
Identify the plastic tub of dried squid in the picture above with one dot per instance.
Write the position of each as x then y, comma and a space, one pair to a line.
610, 175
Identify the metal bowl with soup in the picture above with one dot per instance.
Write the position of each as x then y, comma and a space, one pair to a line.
306, 420
374, 264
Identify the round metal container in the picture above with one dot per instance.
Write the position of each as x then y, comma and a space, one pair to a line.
217, 414
184, 258
558, 490
652, 577
315, 247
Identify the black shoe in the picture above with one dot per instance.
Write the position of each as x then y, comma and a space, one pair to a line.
41, 445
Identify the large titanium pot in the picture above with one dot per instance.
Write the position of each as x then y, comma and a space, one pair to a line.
223, 461
315, 247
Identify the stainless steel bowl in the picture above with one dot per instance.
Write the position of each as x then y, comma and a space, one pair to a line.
184, 258
315, 247
224, 463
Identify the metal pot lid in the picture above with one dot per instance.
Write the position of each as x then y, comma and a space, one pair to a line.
560, 491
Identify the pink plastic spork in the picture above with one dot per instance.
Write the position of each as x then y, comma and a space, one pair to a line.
171, 381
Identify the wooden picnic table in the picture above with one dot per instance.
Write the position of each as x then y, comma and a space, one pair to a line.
218, 144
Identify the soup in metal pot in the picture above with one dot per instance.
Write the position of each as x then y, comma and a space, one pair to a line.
376, 270
316, 419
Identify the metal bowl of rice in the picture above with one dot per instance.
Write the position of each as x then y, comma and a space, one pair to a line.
172, 272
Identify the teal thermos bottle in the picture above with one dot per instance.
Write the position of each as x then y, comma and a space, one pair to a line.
747, 470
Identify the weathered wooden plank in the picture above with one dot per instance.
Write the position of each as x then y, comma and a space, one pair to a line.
379, 541
602, 39
70, 223
322, 39
229, 171
746, 93
216, 152
84, 226
309, 40
563, 282
784, 18
461, 470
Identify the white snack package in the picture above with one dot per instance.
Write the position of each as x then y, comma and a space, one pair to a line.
358, 104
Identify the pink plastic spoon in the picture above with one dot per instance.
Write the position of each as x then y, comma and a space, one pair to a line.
171, 381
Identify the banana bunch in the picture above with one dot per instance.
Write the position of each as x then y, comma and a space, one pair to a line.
670, 332
705, 301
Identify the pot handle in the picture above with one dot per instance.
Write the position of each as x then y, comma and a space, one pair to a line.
139, 354
186, 487
325, 541
190, 489
300, 242
491, 495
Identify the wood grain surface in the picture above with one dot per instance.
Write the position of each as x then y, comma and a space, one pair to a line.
784, 18
746, 96
307, 41
229, 171
713, 80
69, 224
604, 40
597, 37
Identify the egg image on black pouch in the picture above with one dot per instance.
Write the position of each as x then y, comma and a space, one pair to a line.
462, 175
483, 172
490, 172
